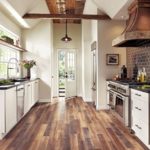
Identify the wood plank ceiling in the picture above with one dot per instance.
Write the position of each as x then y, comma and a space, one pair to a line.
66, 7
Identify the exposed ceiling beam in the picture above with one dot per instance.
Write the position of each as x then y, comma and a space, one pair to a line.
66, 16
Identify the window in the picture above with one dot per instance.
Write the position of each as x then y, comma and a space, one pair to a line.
5, 54
6, 32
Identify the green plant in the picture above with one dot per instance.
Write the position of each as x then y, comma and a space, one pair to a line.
5, 82
28, 63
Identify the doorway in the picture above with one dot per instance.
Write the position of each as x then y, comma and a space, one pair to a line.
66, 73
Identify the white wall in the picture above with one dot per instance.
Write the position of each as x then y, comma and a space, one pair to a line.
89, 35
74, 31
10, 25
103, 32
39, 42
107, 31
86, 60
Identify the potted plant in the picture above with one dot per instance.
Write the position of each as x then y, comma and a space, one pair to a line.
28, 64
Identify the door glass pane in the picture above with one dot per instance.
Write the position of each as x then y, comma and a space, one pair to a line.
71, 66
61, 66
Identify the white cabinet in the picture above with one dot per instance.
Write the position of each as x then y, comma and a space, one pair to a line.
2, 113
31, 95
8, 105
8, 110
140, 115
11, 108
35, 91
28, 97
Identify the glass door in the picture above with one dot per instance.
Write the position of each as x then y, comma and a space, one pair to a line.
67, 73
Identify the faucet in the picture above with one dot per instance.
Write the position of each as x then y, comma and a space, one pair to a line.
8, 68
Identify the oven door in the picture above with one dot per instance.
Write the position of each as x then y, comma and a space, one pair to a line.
111, 96
122, 107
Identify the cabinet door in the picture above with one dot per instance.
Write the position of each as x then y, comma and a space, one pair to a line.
2, 113
11, 108
28, 98
35, 89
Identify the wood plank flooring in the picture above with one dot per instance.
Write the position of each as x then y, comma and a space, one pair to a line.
69, 125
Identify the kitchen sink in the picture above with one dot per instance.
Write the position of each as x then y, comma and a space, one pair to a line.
19, 80
6, 83
9, 82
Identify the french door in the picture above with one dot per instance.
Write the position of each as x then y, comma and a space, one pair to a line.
67, 72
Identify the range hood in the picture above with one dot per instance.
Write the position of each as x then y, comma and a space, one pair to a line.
137, 32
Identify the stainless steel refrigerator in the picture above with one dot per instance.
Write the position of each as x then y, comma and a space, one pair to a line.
94, 72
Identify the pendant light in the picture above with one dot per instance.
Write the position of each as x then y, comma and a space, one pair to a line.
66, 38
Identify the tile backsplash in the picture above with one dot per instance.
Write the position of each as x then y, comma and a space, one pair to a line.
139, 56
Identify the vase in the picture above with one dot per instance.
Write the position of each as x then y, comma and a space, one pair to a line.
28, 73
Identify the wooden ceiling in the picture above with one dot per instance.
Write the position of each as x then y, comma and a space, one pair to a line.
60, 10
66, 7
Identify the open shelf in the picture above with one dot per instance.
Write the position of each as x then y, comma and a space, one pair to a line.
2, 42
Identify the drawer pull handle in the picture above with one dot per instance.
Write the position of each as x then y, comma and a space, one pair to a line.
138, 108
137, 94
138, 127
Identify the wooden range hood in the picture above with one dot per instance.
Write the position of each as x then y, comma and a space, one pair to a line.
137, 32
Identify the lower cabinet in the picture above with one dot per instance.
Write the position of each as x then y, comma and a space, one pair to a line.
31, 95
2, 114
35, 91
8, 105
11, 108
8, 111
140, 115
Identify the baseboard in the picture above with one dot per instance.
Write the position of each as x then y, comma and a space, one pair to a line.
103, 107
1, 136
86, 99
44, 101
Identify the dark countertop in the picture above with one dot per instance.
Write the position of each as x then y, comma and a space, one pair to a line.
140, 86
142, 89
129, 82
5, 87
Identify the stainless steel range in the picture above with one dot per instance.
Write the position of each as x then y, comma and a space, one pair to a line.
118, 98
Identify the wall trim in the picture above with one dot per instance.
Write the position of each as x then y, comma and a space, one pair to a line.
103, 107
87, 99
44, 100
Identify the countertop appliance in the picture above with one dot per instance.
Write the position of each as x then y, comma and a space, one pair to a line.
118, 98
20, 101
137, 31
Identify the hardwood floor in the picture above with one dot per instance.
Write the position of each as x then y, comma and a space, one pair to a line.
69, 125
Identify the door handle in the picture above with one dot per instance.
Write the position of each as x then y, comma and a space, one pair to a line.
94, 89
66, 76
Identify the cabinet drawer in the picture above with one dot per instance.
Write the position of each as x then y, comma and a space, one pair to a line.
141, 130
140, 109
135, 94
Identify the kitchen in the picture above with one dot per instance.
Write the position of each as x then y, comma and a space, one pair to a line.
30, 101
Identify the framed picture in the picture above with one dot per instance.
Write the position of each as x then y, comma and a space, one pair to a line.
112, 59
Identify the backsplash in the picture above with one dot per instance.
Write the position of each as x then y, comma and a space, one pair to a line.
139, 56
